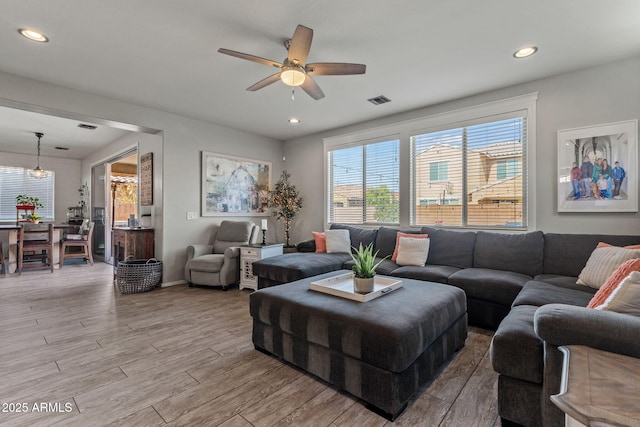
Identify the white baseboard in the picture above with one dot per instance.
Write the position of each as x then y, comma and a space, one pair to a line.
174, 283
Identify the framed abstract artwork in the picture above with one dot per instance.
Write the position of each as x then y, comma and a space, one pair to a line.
598, 168
234, 185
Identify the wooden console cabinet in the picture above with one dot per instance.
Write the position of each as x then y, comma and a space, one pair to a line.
131, 242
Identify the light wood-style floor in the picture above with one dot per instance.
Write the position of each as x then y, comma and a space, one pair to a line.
181, 356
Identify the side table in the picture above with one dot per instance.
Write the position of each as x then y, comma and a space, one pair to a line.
250, 254
599, 388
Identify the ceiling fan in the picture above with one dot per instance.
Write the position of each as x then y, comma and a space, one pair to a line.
293, 70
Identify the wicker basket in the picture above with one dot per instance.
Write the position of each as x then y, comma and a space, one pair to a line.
135, 276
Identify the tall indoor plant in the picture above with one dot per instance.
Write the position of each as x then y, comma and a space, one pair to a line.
285, 202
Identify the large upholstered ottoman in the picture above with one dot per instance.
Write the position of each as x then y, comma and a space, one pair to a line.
381, 351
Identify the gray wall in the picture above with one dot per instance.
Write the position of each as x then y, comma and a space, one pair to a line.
182, 141
588, 97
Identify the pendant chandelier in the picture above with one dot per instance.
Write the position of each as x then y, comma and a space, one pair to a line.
38, 172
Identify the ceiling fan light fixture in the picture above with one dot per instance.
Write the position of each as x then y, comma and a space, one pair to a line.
292, 75
34, 35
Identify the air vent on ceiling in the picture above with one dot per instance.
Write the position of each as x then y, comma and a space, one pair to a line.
62, 148
379, 100
85, 126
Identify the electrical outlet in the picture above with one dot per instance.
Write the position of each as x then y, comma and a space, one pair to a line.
192, 215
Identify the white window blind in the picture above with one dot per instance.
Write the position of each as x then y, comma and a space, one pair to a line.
363, 183
15, 181
485, 180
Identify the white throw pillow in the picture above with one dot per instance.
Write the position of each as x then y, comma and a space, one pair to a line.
602, 263
626, 297
338, 241
412, 251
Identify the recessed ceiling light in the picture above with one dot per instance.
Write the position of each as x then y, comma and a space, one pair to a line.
525, 51
34, 35
294, 121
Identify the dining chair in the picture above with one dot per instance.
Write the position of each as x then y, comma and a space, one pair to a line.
35, 247
82, 241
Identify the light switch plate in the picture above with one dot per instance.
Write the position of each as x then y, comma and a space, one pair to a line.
192, 215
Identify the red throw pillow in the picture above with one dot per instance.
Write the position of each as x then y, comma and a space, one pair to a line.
321, 241
409, 235
613, 281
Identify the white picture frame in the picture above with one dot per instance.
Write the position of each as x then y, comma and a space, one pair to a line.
613, 142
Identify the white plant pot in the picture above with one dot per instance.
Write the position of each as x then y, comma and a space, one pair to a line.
363, 285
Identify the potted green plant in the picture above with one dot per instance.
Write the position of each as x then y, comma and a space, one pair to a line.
286, 202
34, 218
24, 200
364, 268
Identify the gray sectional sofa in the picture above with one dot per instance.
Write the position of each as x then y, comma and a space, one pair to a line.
521, 285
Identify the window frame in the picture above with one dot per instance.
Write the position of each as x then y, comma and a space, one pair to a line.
466, 116
350, 143
47, 213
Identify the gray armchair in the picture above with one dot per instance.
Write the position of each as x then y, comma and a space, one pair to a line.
218, 264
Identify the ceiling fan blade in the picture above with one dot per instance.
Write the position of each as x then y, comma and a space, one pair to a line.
334, 69
312, 88
300, 45
265, 82
250, 57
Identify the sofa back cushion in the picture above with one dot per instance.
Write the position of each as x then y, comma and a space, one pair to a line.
232, 233
358, 235
567, 254
520, 253
452, 248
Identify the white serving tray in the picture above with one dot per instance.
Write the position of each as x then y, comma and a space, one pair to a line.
342, 286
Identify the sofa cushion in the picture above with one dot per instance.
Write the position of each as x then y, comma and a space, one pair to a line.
428, 273
540, 293
337, 241
556, 279
567, 254
447, 247
412, 251
520, 253
602, 263
386, 240
516, 350
210, 263
626, 297
295, 266
613, 281
497, 286
358, 235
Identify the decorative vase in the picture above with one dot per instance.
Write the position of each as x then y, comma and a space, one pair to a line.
363, 285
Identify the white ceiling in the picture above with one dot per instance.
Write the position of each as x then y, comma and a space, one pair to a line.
163, 53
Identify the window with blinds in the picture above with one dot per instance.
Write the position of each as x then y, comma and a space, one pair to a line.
15, 181
472, 175
363, 184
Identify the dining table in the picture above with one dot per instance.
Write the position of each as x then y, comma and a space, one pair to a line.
12, 250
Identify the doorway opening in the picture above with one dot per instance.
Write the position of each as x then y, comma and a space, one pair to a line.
114, 199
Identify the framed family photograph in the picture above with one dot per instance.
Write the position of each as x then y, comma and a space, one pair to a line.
598, 168
234, 185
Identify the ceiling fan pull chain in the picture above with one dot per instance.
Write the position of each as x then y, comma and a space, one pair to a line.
293, 95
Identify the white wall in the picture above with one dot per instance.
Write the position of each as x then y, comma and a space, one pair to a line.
67, 178
592, 96
183, 140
